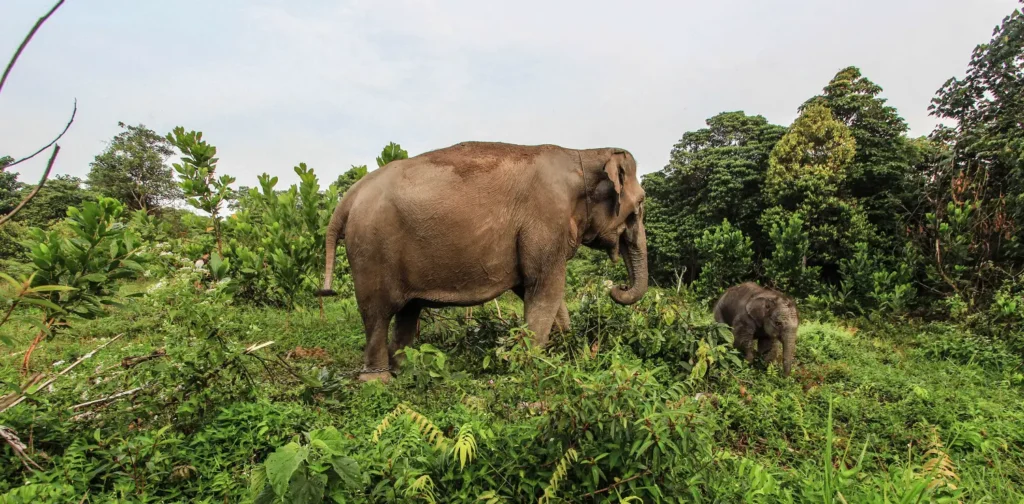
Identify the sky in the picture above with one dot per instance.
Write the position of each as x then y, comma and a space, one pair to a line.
273, 83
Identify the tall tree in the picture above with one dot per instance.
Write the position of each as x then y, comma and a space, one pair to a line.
714, 173
9, 186
986, 161
133, 169
806, 175
53, 200
880, 175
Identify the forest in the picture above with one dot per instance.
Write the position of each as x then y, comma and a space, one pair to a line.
161, 340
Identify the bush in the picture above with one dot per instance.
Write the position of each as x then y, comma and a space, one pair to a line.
726, 259
787, 267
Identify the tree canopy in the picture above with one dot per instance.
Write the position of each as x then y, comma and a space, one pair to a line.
133, 169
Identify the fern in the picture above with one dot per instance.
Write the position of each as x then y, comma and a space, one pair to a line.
422, 487
463, 449
939, 467
385, 422
428, 429
798, 410
561, 471
465, 446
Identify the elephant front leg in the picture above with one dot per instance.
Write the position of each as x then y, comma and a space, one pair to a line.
743, 339
562, 318
542, 302
770, 350
561, 323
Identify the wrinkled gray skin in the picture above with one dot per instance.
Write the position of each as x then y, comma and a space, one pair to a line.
763, 315
461, 225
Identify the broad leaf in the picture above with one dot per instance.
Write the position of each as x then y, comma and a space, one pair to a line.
282, 464
348, 470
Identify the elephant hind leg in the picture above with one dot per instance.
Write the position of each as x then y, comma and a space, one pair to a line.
406, 326
376, 364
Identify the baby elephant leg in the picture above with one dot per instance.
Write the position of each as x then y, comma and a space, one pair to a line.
743, 339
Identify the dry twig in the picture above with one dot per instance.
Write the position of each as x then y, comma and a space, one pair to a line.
63, 372
11, 438
617, 483
110, 398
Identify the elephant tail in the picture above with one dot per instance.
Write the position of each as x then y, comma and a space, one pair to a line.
335, 232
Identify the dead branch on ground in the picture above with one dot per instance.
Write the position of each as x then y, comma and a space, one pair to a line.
11, 438
63, 372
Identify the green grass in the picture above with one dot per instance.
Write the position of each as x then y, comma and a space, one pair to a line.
866, 415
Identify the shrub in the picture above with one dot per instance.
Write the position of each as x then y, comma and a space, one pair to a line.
726, 259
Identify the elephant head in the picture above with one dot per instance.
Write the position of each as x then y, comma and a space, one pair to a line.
779, 318
616, 220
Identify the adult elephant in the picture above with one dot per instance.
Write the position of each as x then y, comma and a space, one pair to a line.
460, 225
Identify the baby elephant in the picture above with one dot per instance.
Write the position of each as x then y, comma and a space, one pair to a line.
765, 314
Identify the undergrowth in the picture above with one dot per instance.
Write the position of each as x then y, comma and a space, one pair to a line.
224, 402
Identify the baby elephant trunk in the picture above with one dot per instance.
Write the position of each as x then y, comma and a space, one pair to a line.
788, 350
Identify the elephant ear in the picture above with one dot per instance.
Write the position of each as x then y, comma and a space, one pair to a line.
760, 307
617, 174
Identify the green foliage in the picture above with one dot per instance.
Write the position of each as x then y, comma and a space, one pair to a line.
52, 202
277, 239
868, 287
787, 268
986, 105
132, 169
806, 174
99, 252
345, 180
713, 174
391, 152
296, 473
202, 189
726, 258
880, 175
426, 365
9, 186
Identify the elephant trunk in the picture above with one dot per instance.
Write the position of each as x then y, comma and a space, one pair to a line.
334, 232
635, 257
788, 350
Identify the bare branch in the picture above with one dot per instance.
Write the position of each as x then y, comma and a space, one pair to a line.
47, 146
63, 372
110, 398
10, 65
18, 448
46, 173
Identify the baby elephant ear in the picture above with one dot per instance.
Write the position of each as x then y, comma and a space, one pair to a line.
759, 308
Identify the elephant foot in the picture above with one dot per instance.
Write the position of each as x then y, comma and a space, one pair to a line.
382, 377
